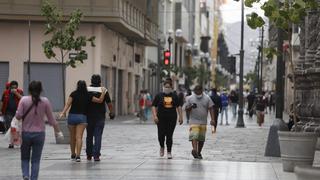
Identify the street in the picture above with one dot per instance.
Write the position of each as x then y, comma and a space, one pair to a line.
131, 151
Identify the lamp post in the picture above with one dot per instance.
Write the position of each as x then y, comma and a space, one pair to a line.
240, 122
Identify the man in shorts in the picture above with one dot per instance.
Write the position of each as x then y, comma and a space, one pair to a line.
198, 105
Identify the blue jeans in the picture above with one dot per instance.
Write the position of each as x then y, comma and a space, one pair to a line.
31, 141
94, 130
234, 108
224, 110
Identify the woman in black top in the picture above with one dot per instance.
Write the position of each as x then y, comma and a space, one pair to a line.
77, 117
165, 107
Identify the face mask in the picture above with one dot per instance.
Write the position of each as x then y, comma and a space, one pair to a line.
167, 90
199, 96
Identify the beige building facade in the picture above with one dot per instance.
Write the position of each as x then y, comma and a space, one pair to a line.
122, 30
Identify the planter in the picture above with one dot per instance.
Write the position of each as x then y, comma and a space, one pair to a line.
297, 148
65, 130
307, 172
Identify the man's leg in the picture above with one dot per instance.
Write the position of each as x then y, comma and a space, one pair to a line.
200, 146
89, 140
226, 110
98, 131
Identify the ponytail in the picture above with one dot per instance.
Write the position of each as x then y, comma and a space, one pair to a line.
35, 89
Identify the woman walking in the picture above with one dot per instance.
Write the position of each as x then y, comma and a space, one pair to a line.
32, 110
78, 102
165, 108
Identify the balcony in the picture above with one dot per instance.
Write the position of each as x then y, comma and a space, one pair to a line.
128, 17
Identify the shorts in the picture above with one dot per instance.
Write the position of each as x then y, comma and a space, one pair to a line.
75, 119
198, 132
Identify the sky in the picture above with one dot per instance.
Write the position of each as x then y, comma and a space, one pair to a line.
231, 11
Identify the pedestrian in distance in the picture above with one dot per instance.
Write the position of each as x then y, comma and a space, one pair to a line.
234, 102
166, 109
272, 100
224, 106
142, 106
199, 104
216, 99
260, 105
9, 103
251, 99
78, 103
148, 101
96, 118
31, 110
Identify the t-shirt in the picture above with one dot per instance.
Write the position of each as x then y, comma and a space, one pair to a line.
80, 103
166, 104
97, 111
199, 115
34, 120
12, 105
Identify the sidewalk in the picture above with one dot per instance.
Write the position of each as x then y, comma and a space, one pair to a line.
130, 151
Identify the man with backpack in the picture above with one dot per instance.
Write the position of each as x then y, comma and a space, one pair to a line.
216, 99
224, 106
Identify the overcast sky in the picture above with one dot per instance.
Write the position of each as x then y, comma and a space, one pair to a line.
231, 11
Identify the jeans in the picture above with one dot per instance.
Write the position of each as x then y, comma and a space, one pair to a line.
94, 130
31, 141
234, 108
224, 109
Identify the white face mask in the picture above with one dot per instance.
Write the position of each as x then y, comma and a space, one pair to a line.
199, 96
167, 90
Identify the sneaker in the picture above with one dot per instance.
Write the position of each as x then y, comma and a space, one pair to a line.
200, 156
221, 124
194, 154
161, 152
89, 157
78, 159
227, 124
169, 155
73, 157
25, 178
97, 158
10, 146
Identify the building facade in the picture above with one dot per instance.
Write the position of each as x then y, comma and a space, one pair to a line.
123, 28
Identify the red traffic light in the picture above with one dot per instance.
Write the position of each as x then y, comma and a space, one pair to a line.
167, 54
167, 57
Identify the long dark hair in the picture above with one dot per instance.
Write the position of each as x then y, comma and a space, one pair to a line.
82, 87
35, 89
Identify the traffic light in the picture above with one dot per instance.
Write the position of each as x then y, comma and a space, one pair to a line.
167, 57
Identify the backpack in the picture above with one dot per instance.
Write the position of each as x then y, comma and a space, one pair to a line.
224, 100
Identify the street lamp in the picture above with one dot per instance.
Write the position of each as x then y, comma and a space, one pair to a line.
240, 122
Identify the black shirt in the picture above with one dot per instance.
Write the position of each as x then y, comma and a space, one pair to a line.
80, 103
166, 104
98, 110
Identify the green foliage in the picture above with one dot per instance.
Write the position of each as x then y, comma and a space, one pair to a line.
191, 73
63, 35
203, 74
281, 14
270, 52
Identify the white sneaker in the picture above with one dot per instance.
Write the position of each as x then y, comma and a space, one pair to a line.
169, 155
161, 152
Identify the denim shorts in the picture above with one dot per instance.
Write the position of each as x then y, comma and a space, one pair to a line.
75, 119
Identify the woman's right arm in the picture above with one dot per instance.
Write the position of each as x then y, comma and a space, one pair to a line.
66, 107
101, 98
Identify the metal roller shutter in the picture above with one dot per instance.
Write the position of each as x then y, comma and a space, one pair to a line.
4, 75
51, 78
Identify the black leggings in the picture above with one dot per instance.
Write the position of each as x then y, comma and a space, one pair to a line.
166, 128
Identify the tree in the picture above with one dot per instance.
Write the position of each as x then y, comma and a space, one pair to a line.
283, 15
63, 39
